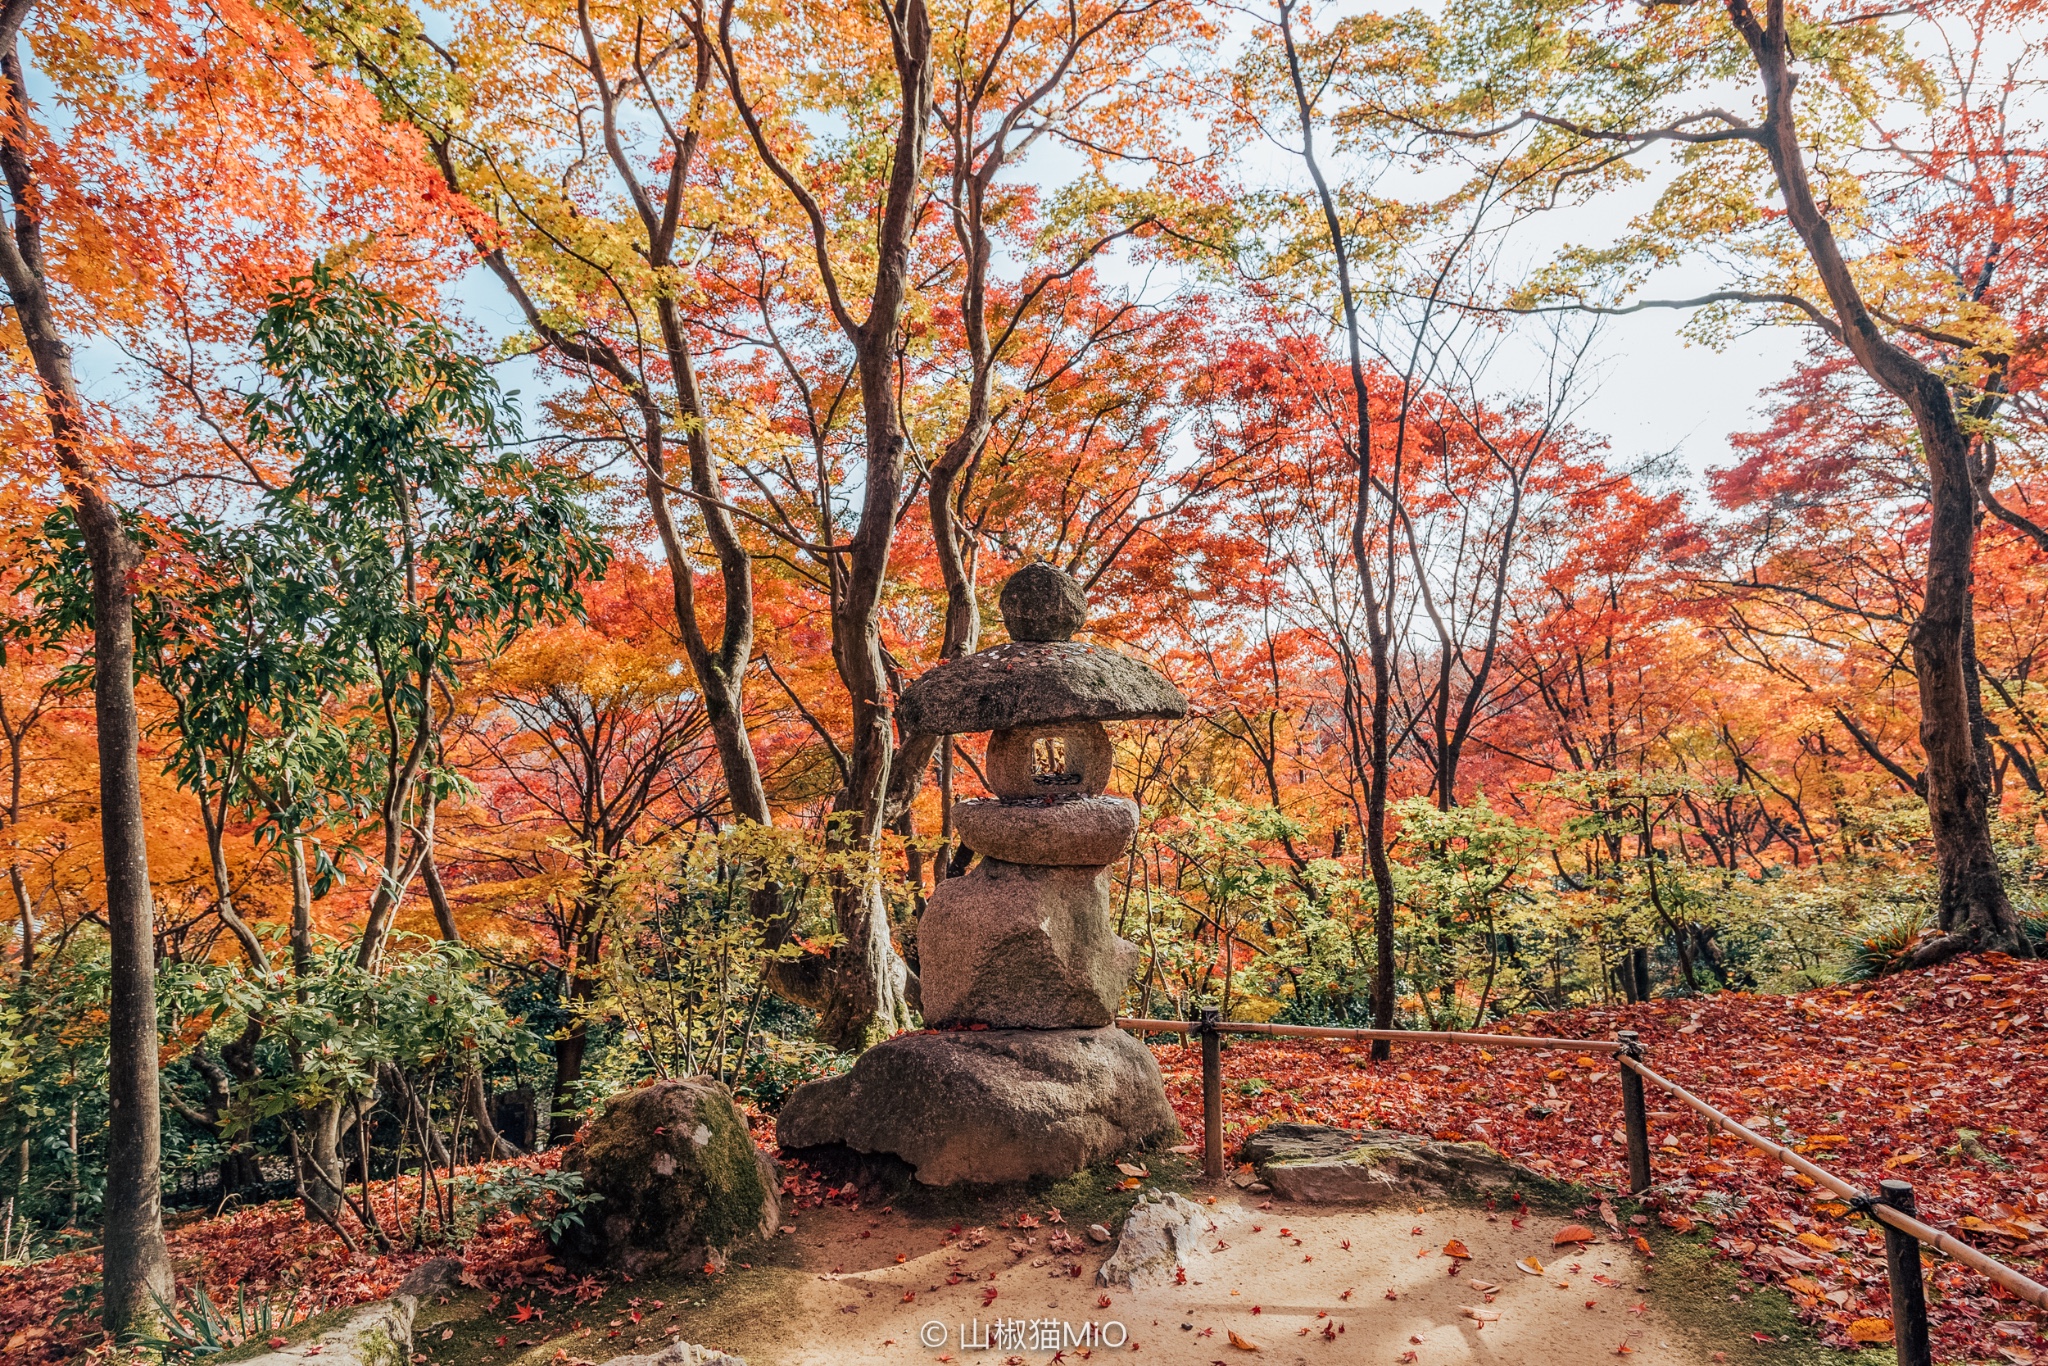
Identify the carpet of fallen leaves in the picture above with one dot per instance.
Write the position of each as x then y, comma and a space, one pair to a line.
1940, 1078
269, 1249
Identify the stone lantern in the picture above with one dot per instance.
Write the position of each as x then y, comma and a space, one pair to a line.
1021, 1071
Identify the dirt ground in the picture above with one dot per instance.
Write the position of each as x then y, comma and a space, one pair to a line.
1293, 1284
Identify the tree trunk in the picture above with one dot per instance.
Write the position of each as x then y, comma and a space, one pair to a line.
26, 910
569, 1051
720, 672
1377, 597
302, 906
869, 978
869, 981
575, 1041
321, 1168
432, 1145
215, 824
478, 1102
137, 1269
406, 762
1378, 864
1974, 911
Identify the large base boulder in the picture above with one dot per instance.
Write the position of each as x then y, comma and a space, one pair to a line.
1320, 1164
680, 1177
1022, 946
988, 1106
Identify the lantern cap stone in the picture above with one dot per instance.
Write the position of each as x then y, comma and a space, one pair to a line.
1037, 683
1043, 676
1042, 602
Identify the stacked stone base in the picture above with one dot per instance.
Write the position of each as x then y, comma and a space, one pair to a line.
989, 1106
1020, 971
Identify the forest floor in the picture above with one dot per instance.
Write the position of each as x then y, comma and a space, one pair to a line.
1940, 1078
1320, 1287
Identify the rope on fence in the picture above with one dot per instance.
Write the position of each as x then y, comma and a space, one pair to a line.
1602, 1046
2012, 1280
1893, 1208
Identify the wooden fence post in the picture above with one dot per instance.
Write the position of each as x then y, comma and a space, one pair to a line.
1909, 1291
1212, 1094
1635, 1115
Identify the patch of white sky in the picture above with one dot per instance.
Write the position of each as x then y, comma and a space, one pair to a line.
1651, 392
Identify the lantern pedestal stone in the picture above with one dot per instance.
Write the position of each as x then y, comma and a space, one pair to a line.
1023, 946
1023, 1073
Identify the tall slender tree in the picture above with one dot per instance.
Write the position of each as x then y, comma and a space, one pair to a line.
137, 1273
538, 207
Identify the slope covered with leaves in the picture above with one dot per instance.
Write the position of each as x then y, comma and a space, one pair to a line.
1938, 1078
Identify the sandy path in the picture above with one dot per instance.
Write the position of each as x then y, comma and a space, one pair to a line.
855, 1303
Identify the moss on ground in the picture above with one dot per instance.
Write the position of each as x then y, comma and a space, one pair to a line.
1706, 1297
1094, 1196
706, 1310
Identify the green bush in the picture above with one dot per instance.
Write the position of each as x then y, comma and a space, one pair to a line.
554, 1200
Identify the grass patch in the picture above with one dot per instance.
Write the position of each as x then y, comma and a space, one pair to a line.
1707, 1298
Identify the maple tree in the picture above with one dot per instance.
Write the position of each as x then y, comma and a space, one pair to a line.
589, 744
537, 212
1575, 129
136, 1265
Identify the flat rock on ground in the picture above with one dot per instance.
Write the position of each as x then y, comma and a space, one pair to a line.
1316, 1163
1166, 1240
988, 1106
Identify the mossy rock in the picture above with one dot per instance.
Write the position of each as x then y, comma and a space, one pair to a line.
679, 1179
1320, 1164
